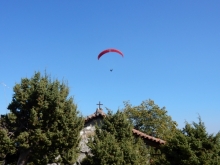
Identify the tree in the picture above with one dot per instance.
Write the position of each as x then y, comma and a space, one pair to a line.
193, 145
114, 143
46, 122
7, 147
151, 119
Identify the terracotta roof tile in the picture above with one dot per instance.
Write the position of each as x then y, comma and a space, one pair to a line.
97, 113
151, 138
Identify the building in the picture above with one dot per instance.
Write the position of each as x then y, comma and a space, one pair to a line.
89, 129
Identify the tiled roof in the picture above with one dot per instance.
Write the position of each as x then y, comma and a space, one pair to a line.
97, 113
100, 113
148, 137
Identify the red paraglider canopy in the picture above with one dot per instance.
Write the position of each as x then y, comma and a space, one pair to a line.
110, 50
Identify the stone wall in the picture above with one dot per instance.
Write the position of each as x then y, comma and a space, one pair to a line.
86, 133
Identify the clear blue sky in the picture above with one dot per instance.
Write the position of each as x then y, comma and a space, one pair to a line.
171, 53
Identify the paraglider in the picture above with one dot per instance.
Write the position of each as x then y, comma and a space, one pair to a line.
108, 51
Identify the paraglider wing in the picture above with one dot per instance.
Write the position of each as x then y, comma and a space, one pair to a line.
109, 50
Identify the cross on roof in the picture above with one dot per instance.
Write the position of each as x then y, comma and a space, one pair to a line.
99, 105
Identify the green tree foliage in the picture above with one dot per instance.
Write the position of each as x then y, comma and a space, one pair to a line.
44, 120
6, 142
115, 144
193, 145
151, 119
8, 152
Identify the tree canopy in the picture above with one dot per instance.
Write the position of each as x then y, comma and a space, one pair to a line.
193, 145
44, 121
6, 143
151, 119
44, 124
114, 143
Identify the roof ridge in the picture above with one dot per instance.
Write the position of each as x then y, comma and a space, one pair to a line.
148, 136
